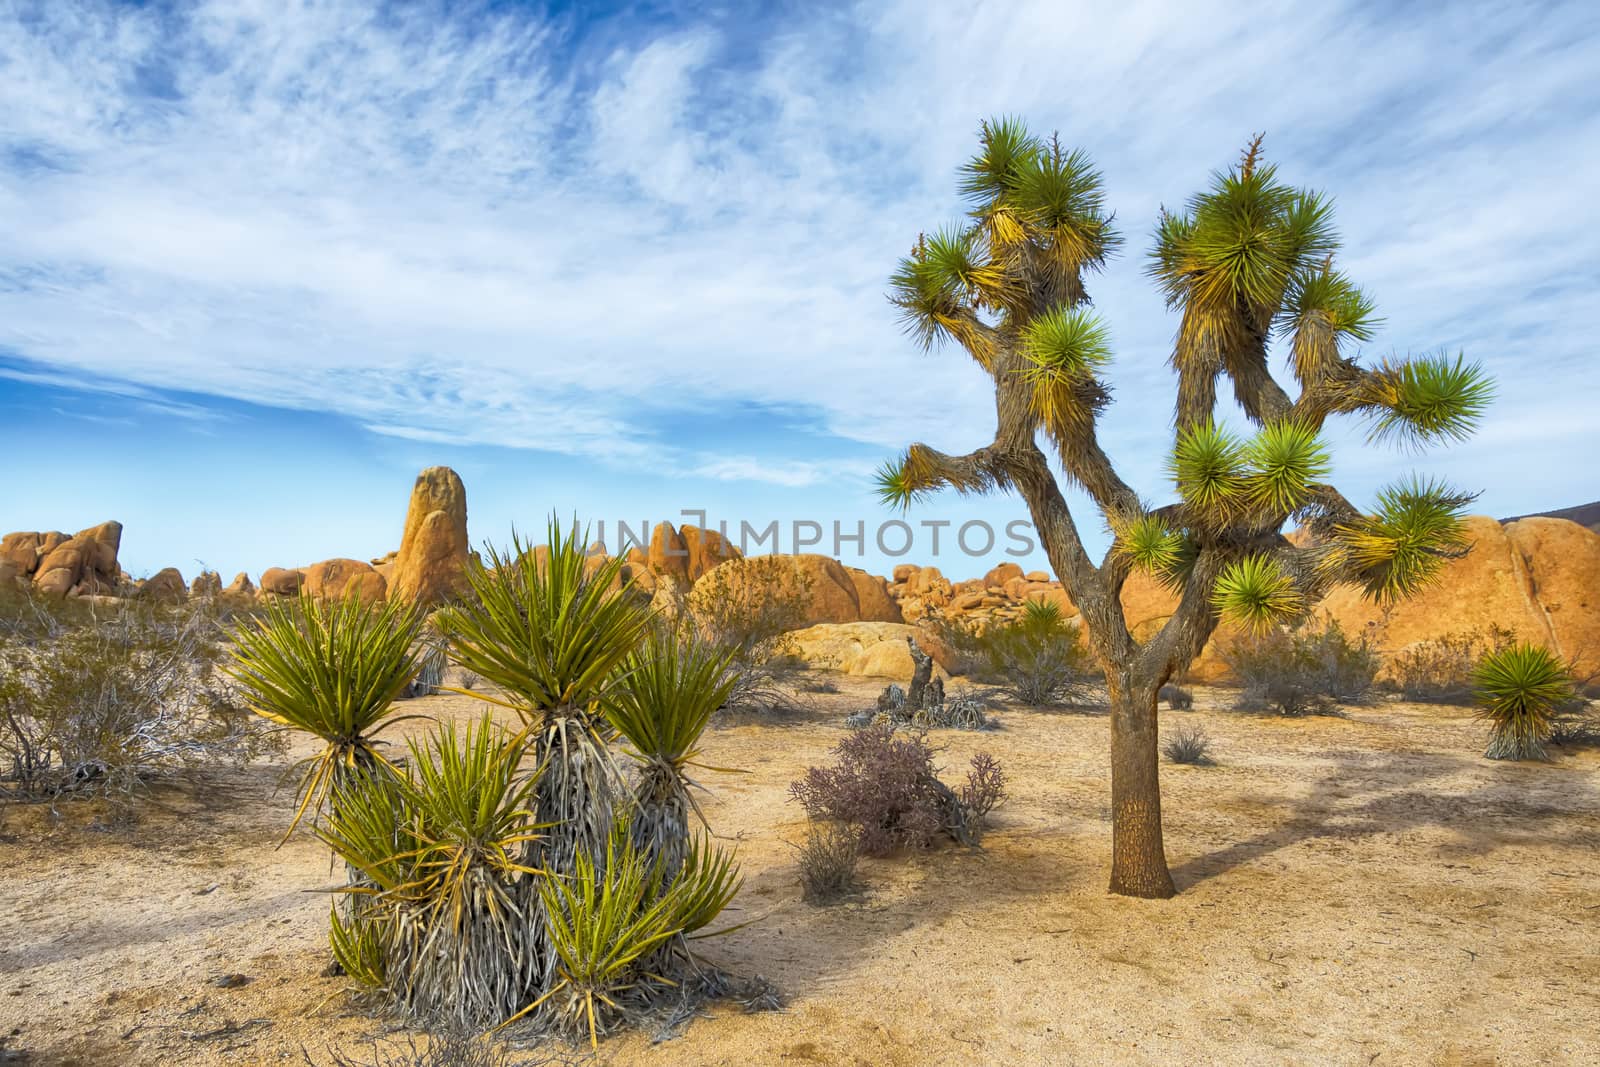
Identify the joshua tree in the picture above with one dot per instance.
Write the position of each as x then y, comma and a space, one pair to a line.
1246, 262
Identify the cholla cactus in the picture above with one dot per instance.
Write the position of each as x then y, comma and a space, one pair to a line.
1248, 260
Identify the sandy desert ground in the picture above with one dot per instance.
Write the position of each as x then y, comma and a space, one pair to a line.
1360, 890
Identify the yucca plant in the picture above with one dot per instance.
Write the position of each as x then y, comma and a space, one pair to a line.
1519, 690
665, 697
551, 634
442, 847
489, 881
332, 669
608, 924
1247, 261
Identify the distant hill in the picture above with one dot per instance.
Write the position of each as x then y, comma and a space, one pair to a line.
1583, 514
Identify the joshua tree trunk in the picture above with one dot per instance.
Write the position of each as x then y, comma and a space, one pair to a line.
1138, 860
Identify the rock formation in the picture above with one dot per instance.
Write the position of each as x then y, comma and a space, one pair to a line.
431, 564
818, 587
333, 579
84, 564
166, 586
281, 581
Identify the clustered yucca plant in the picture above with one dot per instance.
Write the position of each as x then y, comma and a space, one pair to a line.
1519, 690
520, 873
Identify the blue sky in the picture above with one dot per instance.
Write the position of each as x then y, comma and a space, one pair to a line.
261, 262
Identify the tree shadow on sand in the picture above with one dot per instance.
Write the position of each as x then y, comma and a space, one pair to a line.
1366, 793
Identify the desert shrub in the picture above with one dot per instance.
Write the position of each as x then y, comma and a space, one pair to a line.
1176, 697
1303, 669
1518, 690
1037, 658
1188, 745
1440, 670
884, 784
466, 679
819, 685
518, 874
103, 702
828, 862
751, 617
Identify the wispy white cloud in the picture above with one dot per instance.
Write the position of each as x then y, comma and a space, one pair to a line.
452, 224
794, 474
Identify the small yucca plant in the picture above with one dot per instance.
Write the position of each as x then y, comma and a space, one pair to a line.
608, 924
333, 670
668, 692
1518, 690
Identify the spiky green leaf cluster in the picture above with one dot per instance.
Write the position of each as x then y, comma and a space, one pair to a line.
1402, 547
1286, 461
1241, 243
1064, 349
1423, 401
1518, 690
547, 627
895, 485
332, 669
1148, 545
605, 922
1036, 208
1209, 466
1257, 593
1323, 309
360, 947
668, 692
443, 898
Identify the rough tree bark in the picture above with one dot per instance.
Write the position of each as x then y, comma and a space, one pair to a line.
1138, 858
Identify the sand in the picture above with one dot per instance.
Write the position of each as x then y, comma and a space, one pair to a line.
1359, 890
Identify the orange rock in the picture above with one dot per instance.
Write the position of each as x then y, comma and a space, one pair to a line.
872, 594
281, 581
819, 586
1001, 574
430, 566
333, 578
707, 549
668, 553
21, 550
166, 586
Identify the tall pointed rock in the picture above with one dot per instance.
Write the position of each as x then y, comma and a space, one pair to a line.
431, 565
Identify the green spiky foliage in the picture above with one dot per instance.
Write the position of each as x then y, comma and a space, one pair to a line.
1286, 464
666, 696
333, 670
1208, 465
446, 899
551, 631
1518, 691
485, 879
1257, 593
1249, 263
608, 923
1403, 546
